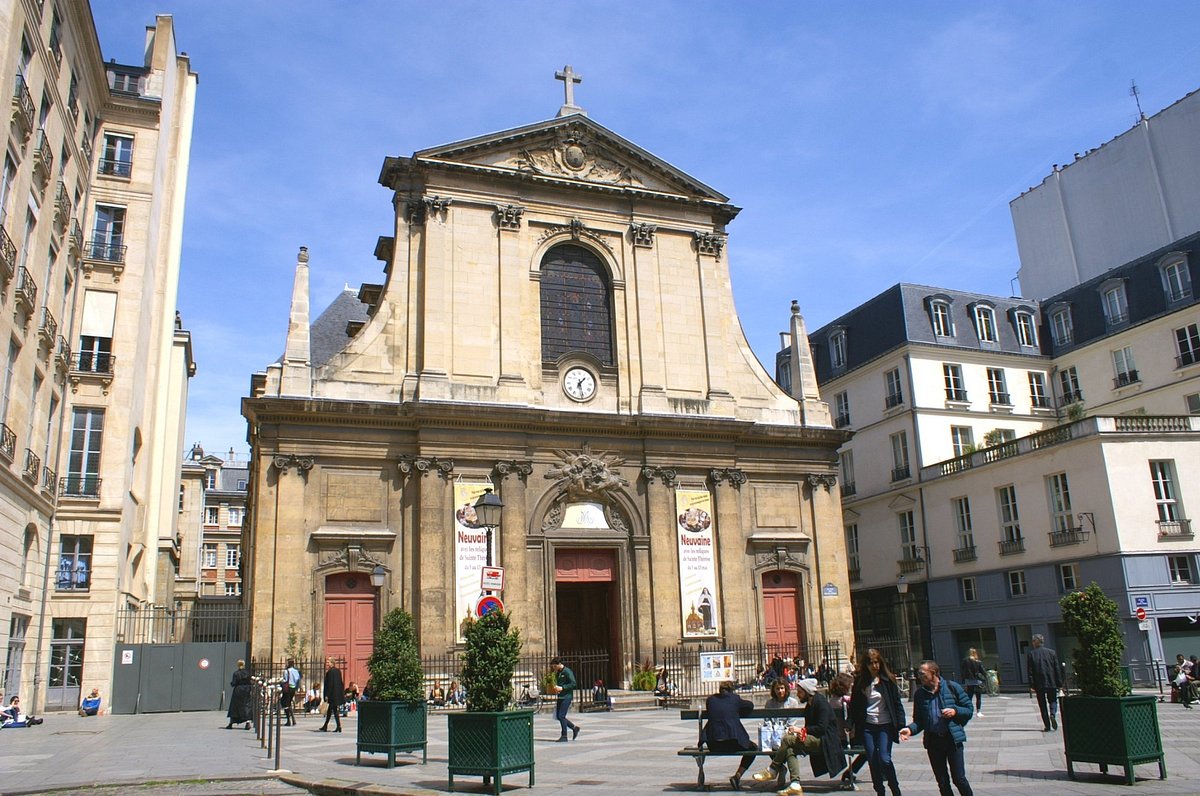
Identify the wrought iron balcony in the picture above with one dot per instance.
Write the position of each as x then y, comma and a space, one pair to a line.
909, 565
1072, 397
958, 396
1179, 294
79, 486
1000, 399
105, 250
43, 157
1175, 529
62, 204
855, 575
1118, 318
1068, 536
966, 553
1012, 546
75, 238
8, 257
85, 146
8, 443
94, 362
23, 106
26, 290
900, 473
849, 489
113, 167
33, 467
841, 421
1039, 402
893, 400
1189, 357
62, 354
47, 328
49, 479
1125, 379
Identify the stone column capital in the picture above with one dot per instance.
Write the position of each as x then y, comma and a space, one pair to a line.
425, 465
665, 474
821, 479
521, 470
732, 475
284, 462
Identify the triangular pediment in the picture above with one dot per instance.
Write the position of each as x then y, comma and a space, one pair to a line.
572, 148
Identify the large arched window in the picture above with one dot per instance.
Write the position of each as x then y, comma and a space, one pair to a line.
576, 305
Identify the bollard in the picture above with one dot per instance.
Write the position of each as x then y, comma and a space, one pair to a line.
278, 733
270, 728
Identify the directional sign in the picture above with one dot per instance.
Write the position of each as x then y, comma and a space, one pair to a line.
487, 604
491, 579
1141, 602
1140, 614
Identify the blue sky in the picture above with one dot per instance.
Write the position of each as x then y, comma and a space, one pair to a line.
868, 143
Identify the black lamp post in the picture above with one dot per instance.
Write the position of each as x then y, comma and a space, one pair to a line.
902, 587
378, 576
487, 514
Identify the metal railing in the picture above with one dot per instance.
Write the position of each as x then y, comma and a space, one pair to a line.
94, 362
1072, 397
841, 421
1190, 357
749, 662
962, 554
1010, 547
115, 168
79, 486
958, 396
47, 326
893, 400
1177, 529
849, 489
62, 202
43, 156
1068, 536
198, 622
1000, 399
26, 290
900, 473
49, 479
8, 442
105, 250
23, 103
1125, 378
910, 564
33, 466
8, 256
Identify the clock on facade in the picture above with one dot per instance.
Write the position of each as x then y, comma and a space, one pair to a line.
579, 384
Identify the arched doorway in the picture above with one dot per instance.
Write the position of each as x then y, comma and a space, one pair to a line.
588, 608
350, 622
783, 619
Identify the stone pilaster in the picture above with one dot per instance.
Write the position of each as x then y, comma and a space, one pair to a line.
737, 600
287, 593
434, 554
521, 593
664, 556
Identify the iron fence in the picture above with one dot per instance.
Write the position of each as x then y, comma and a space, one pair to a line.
198, 622
312, 674
588, 666
749, 663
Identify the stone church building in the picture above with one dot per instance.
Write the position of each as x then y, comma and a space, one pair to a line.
557, 324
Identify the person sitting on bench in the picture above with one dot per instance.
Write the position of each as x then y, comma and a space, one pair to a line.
724, 731
820, 724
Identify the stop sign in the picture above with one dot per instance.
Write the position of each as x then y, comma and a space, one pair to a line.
1140, 614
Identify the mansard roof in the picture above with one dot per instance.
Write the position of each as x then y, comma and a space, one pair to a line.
573, 149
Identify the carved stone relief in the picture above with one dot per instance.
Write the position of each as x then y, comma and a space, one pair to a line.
643, 234
572, 153
576, 229
585, 474
710, 243
509, 216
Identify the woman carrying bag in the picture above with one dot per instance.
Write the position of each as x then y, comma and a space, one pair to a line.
877, 714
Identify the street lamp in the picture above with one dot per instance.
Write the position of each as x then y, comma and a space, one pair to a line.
487, 515
902, 587
378, 576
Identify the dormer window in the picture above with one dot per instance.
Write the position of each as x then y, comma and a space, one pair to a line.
939, 315
837, 349
1112, 297
1061, 327
1026, 328
985, 323
1177, 280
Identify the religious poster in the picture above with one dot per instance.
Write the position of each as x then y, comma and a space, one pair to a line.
716, 667
470, 551
697, 563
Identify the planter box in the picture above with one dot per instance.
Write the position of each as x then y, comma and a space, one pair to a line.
490, 745
1112, 731
391, 727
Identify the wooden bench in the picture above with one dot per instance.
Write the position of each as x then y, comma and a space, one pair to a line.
700, 752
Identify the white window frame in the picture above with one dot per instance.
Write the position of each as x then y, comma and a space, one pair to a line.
209, 553
962, 522
841, 403
1068, 577
968, 589
985, 324
998, 387
1166, 496
1061, 327
1010, 515
233, 588
1180, 569
1192, 402
900, 453
233, 556
1038, 398
908, 535
853, 561
1124, 368
237, 516
956, 389
212, 515
837, 349
1068, 382
1187, 344
893, 387
1115, 304
847, 466
1026, 329
1058, 490
1018, 586
210, 479
962, 440
1177, 279
943, 323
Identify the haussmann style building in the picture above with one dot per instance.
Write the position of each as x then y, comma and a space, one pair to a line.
557, 324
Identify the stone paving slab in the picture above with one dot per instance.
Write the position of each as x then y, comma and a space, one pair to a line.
626, 752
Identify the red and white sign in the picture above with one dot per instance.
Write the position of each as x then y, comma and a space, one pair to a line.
1140, 614
491, 579
487, 604
203, 664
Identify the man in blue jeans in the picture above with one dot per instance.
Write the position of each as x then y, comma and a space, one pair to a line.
941, 708
565, 688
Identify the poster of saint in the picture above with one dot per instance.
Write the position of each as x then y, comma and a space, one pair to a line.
697, 563
470, 551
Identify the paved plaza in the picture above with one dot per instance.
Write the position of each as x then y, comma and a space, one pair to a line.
623, 752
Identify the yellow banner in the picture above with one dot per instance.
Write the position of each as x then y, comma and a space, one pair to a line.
697, 563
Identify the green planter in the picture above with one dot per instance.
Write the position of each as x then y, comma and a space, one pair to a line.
391, 727
1112, 731
491, 745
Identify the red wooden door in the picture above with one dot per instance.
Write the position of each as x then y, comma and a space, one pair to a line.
781, 610
350, 623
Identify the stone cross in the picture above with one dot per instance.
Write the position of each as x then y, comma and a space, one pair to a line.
569, 78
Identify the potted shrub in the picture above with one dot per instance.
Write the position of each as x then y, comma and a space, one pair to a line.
488, 739
1103, 724
393, 719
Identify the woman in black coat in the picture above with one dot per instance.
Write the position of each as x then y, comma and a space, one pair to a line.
724, 731
241, 697
877, 713
974, 678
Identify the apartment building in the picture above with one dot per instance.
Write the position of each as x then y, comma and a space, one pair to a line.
96, 360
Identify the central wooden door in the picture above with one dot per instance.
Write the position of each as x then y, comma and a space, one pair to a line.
587, 607
350, 623
783, 620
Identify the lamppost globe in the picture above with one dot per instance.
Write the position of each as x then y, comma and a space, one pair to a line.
488, 508
378, 576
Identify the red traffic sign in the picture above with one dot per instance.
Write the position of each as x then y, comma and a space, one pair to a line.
487, 604
1140, 614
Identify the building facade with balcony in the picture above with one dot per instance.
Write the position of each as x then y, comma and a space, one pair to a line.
92, 448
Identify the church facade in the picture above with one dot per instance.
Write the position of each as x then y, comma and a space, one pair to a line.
557, 325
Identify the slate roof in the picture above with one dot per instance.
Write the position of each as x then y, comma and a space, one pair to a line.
327, 334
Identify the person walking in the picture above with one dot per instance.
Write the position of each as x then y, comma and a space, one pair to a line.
724, 732
564, 686
335, 691
1045, 678
941, 709
974, 678
240, 697
287, 691
877, 713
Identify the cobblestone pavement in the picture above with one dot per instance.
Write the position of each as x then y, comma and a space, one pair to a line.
624, 752
236, 787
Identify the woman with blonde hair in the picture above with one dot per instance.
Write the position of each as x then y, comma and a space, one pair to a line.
974, 678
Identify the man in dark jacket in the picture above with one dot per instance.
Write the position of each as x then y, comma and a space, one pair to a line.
1045, 678
723, 732
821, 741
941, 708
334, 695
564, 686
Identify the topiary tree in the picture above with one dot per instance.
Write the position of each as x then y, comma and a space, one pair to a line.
1092, 618
395, 665
493, 649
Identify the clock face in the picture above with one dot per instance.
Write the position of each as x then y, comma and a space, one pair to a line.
579, 383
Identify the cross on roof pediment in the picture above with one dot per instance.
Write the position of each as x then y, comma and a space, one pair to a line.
572, 148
